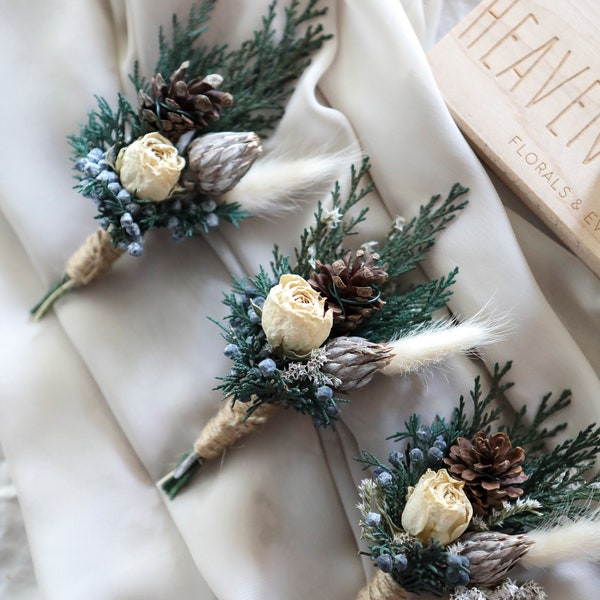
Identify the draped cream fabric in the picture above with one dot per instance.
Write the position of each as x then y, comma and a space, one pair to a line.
99, 399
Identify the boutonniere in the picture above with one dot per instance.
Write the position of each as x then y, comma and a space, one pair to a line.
464, 500
311, 329
176, 158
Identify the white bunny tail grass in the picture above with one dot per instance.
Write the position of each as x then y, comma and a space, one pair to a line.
276, 184
432, 343
579, 540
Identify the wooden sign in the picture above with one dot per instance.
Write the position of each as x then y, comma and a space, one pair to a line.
522, 80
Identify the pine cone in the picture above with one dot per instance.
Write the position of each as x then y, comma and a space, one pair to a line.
492, 555
490, 468
217, 161
179, 107
349, 285
354, 361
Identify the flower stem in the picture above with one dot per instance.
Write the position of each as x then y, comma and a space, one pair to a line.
182, 474
63, 286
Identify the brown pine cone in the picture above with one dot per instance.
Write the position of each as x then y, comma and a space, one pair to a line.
179, 107
490, 467
350, 287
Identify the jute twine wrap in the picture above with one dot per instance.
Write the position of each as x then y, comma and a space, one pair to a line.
383, 587
228, 426
93, 258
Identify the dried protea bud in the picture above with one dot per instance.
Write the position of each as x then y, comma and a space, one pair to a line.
354, 361
492, 555
180, 107
350, 286
490, 467
217, 161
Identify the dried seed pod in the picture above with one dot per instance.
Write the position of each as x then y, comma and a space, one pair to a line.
354, 361
217, 161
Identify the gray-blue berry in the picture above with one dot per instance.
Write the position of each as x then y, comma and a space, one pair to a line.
172, 222
324, 393
107, 176
384, 562
114, 187
135, 249
457, 560
396, 458
332, 409
231, 351
104, 222
424, 433
267, 367
440, 443
92, 170
81, 163
258, 301
124, 196
253, 315
126, 220
131, 207
373, 519
416, 456
435, 456
384, 478
212, 220
400, 563
95, 154
209, 205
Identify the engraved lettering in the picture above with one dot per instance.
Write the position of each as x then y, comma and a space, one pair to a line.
546, 47
593, 219
539, 96
485, 15
579, 101
511, 34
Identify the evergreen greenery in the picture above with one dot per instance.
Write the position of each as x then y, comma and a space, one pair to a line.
325, 240
260, 76
556, 486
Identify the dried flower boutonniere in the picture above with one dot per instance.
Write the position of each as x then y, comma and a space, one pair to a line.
301, 335
177, 159
464, 500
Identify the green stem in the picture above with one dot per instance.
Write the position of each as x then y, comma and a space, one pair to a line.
63, 286
182, 474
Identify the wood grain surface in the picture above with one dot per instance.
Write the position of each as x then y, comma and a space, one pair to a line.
522, 80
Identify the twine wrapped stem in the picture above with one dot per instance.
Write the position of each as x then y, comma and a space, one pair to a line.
92, 259
230, 424
383, 587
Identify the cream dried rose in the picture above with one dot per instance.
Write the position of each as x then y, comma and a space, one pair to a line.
437, 508
294, 317
149, 167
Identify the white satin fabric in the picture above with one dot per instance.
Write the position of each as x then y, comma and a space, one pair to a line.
99, 399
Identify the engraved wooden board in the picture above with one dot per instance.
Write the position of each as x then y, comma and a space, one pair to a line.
522, 80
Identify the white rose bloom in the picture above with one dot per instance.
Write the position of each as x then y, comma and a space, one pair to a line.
149, 167
437, 508
294, 317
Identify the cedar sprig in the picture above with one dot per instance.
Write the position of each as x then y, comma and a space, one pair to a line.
407, 245
534, 434
260, 73
325, 239
107, 127
400, 314
175, 51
